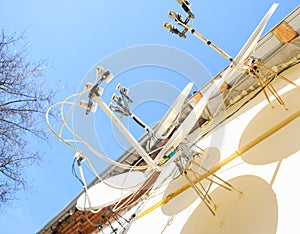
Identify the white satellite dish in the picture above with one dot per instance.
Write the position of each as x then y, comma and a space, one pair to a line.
174, 110
255, 211
110, 191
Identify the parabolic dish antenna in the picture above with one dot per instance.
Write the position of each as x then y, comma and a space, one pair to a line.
110, 191
283, 142
253, 211
209, 158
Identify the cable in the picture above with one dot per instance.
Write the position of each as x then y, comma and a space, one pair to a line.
59, 136
75, 173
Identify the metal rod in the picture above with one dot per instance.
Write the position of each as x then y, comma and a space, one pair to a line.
275, 172
209, 43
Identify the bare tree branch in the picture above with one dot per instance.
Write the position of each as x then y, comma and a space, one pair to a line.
23, 98
15, 101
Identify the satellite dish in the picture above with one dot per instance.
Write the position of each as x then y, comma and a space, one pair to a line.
283, 142
200, 165
110, 191
247, 213
249, 47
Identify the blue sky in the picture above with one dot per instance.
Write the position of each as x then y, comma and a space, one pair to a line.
75, 35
